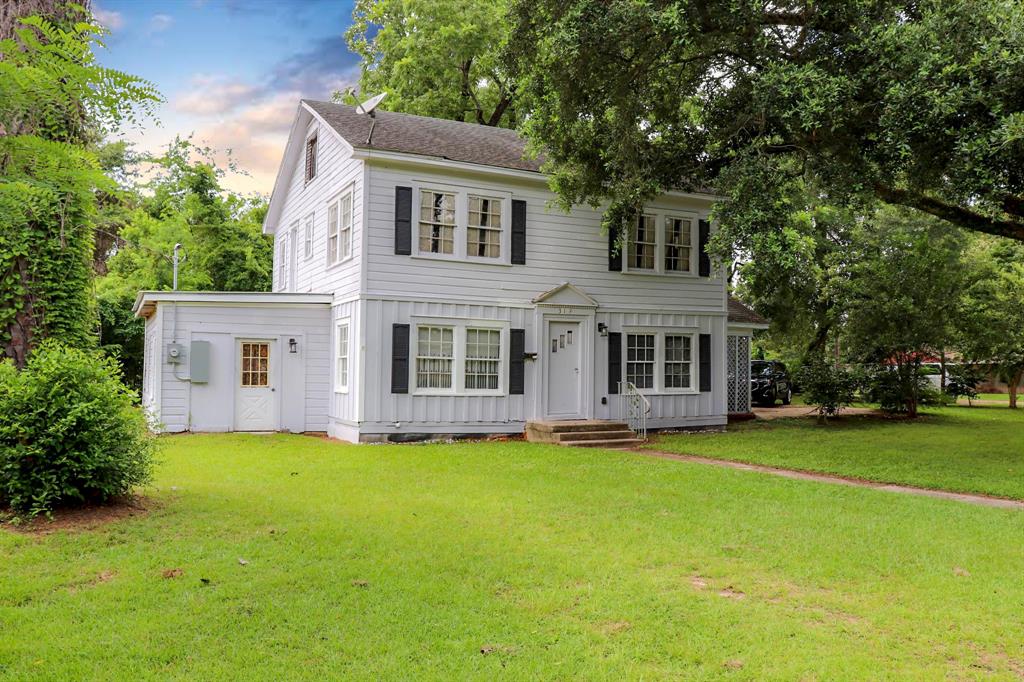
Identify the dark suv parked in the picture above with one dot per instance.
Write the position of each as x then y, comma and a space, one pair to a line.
769, 381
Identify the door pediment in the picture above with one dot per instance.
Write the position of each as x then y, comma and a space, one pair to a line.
566, 294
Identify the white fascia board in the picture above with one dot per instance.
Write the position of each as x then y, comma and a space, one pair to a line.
228, 298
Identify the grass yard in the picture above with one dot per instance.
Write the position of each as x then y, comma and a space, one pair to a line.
978, 449
511, 561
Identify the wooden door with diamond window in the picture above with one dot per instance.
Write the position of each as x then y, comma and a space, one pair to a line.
255, 403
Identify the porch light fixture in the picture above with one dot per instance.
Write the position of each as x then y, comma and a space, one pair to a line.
293, 346
602, 329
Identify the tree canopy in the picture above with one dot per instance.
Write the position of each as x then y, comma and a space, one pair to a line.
911, 102
437, 58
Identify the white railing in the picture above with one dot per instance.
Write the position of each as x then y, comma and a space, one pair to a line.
633, 408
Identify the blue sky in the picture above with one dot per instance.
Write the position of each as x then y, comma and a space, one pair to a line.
232, 71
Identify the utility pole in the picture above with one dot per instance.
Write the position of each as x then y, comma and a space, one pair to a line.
174, 286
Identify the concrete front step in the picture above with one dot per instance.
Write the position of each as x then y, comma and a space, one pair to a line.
576, 426
577, 436
612, 444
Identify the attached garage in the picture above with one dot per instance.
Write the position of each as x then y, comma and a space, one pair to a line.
236, 361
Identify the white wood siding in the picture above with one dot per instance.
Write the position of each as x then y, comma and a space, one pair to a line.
336, 171
205, 407
559, 247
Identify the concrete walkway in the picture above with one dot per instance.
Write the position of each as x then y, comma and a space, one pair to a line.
982, 500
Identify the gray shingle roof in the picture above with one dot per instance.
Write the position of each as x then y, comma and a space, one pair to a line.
740, 313
408, 134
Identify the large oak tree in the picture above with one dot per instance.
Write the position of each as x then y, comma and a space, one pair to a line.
918, 103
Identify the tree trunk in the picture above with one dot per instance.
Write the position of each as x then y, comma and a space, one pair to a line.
942, 369
1014, 383
20, 329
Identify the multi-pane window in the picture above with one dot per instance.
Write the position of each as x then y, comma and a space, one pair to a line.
341, 358
311, 158
643, 243
339, 229
678, 361
307, 238
677, 244
282, 258
435, 348
437, 222
483, 358
255, 364
484, 227
640, 360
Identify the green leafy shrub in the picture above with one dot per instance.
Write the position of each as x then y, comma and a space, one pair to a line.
826, 386
962, 380
898, 389
70, 432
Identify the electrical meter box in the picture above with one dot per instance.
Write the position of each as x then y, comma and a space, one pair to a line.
175, 353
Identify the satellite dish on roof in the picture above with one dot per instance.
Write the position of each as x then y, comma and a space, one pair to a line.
369, 105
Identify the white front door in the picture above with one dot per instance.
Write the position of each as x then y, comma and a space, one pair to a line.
255, 393
564, 370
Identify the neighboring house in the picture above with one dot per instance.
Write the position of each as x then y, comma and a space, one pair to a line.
423, 284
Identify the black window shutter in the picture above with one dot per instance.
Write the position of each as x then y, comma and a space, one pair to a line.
518, 232
614, 254
516, 362
403, 221
614, 362
704, 362
399, 358
704, 265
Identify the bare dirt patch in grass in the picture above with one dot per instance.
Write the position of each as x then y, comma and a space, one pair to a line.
75, 519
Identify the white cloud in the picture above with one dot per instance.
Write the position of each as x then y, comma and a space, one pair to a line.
160, 22
113, 21
214, 95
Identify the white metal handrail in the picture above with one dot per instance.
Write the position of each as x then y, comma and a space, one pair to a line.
634, 408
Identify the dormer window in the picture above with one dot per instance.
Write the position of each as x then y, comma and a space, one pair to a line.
311, 158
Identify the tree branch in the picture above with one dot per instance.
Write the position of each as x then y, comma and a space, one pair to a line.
958, 215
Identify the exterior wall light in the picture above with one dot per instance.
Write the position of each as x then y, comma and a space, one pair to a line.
293, 346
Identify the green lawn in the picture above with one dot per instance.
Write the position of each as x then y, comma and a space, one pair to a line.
510, 561
978, 449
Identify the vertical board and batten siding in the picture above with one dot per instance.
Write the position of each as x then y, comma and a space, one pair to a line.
668, 410
344, 412
336, 171
559, 247
210, 407
387, 412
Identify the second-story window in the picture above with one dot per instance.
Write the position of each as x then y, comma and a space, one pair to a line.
677, 244
307, 238
437, 222
311, 158
484, 227
339, 228
643, 243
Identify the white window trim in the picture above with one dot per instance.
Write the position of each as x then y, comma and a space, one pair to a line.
308, 236
336, 202
661, 216
345, 322
659, 334
461, 233
459, 327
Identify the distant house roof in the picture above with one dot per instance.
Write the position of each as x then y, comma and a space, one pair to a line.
740, 313
424, 136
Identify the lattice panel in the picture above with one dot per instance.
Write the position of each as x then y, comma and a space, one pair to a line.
737, 353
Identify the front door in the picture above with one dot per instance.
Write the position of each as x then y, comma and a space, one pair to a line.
564, 380
255, 403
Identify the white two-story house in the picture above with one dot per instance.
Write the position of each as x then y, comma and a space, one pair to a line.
425, 285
